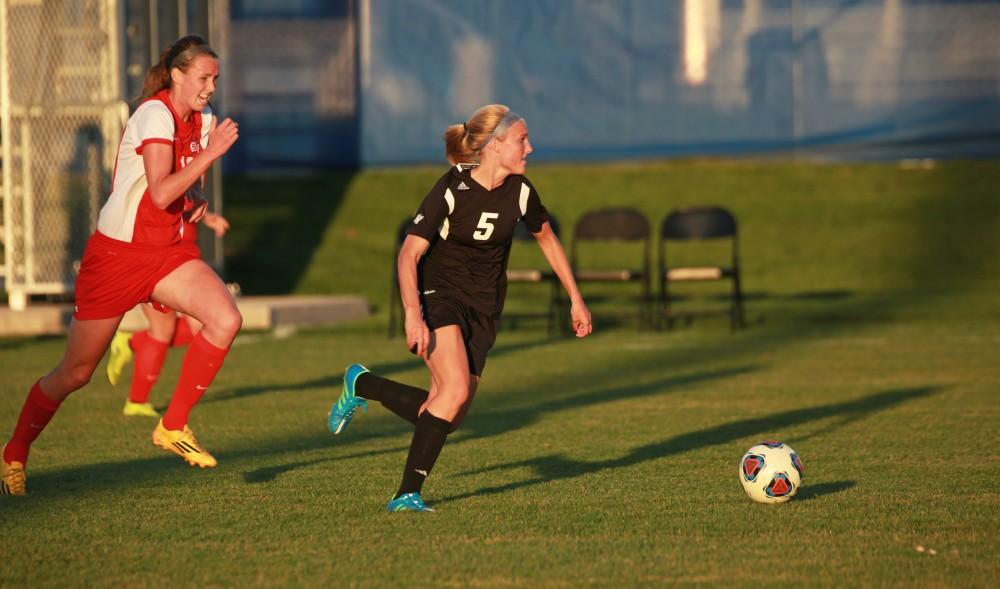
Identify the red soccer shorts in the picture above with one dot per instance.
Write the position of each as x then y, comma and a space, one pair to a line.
116, 276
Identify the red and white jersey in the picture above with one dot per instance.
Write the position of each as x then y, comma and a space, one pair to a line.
130, 215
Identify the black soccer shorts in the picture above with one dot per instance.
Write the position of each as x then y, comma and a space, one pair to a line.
478, 329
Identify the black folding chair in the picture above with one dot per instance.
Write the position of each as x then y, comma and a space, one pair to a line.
699, 224
614, 225
539, 275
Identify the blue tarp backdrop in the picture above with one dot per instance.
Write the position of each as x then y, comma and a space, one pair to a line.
647, 78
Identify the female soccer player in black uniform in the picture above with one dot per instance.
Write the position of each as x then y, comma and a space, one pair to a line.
452, 278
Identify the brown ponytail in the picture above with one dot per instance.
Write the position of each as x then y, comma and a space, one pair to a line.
179, 55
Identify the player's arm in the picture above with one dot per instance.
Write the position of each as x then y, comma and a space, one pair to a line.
165, 185
417, 333
217, 223
548, 241
432, 212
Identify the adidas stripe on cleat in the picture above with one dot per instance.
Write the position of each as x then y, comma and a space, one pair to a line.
184, 444
408, 502
13, 480
343, 410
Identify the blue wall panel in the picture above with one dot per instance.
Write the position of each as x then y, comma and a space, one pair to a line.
645, 77
377, 81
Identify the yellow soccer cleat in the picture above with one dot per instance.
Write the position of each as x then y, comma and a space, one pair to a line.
184, 444
139, 410
14, 481
121, 354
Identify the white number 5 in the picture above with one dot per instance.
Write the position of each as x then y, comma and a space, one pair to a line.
485, 228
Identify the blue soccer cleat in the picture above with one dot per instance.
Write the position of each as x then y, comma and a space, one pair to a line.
343, 410
407, 502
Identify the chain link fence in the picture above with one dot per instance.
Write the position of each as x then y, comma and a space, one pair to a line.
62, 117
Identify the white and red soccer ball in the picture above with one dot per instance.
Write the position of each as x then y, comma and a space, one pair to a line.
771, 472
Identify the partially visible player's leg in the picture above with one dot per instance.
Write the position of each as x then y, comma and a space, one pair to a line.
150, 349
402, 399
86, 342
85, 346
464, 410
149, 346
449, 365
480, 335
360, 385
194, 289
185, 331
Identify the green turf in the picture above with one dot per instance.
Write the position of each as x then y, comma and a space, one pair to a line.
804, 226
610, 461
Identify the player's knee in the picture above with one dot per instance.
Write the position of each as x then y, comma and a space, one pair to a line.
233, 321
77, 377
454, 397
227, 322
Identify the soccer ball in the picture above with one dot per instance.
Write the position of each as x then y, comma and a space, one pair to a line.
771, 472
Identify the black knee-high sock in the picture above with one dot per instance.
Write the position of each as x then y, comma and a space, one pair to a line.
403, 400
428, 439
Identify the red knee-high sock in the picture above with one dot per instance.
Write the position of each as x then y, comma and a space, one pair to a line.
150, 354
201, 364
182, 333
35, 415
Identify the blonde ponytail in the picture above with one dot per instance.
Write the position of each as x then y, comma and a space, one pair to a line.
463, 141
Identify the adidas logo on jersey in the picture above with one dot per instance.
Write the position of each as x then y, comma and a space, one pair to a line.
418, 219
462, 186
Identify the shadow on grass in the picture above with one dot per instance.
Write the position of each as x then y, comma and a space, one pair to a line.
334, 382
94, 476
496, 422
809, 492
555, 467
270, 473
86, 479
806, 295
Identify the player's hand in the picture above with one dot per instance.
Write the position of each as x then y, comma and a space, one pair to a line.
582, 324
198, 209
418, 336
216, 223
222, 137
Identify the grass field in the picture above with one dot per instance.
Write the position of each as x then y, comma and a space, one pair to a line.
605, 462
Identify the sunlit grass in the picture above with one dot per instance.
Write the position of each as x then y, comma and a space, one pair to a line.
609, 461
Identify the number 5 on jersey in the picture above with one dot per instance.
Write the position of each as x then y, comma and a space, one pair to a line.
485, 228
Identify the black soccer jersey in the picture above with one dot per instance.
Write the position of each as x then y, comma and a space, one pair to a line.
470, 229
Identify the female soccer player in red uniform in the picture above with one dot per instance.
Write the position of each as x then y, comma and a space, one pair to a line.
452, 279
137, 255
